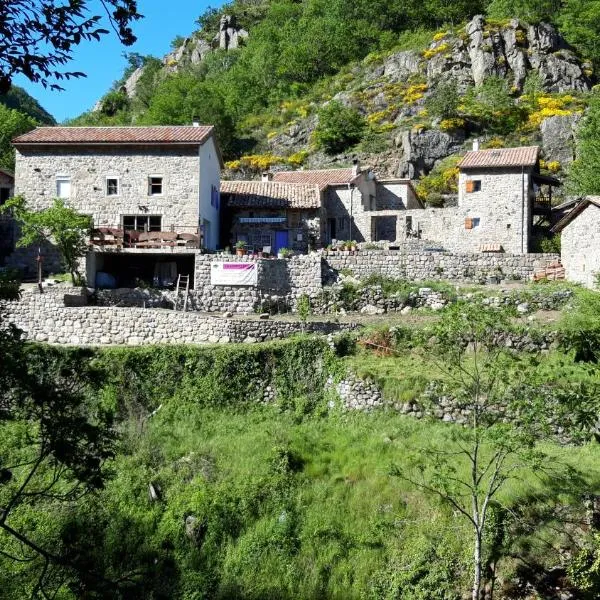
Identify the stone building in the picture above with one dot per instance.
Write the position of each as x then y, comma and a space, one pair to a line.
7, 182
269, 214
352, 204
580, 242
148, 190
501, 195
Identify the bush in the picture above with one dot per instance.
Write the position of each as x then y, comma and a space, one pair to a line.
339, 128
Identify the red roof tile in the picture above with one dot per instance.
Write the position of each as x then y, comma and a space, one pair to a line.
322, 178
500, 158
115, 135
270, 194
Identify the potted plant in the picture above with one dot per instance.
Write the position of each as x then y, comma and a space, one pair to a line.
240, 248
284, 253
353, 246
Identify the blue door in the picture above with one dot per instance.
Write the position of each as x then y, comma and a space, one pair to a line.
281, 241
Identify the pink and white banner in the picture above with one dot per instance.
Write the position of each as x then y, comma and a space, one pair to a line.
233, 273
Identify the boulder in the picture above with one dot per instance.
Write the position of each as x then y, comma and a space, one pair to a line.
558, 138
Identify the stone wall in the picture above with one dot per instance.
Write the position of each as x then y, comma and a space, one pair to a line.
36, 172
45, 318
424, 265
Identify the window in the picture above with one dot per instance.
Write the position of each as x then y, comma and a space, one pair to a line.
293, 220
142, 223
4, 194
112, 186
155, 186
214, 197
473, 185
63, 186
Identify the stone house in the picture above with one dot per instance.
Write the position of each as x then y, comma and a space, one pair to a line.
501, 196
580, 242
270, 214
152, 192
7, 183
315, 208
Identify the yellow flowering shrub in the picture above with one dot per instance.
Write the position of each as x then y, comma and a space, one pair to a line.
495, 143
271, 135
431, 52
298, 158
414, 92
440, 35
451, 124
553, 166
255, 162
552, 106
442, 180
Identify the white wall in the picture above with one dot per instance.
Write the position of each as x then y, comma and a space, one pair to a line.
580, 247
210, 175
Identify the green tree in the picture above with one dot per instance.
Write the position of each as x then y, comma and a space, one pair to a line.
531, 11
12, 124
469, 470
583, 172
443, 101
492, 107
58, 224
579, 22
182, 99
339, 127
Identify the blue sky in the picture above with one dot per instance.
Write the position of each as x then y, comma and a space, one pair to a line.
103, 61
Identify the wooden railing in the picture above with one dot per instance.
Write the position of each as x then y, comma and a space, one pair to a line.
119, 238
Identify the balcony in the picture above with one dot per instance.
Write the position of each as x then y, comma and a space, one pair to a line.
112, 238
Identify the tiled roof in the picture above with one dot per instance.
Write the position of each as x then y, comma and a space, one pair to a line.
270, 194
570, 216
116, 135
501, 157
323, 178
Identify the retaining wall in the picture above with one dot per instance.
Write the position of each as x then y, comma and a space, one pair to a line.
44, 318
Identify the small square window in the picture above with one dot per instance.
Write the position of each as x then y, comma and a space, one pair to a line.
155, 186
473, 185
112, 186
63, 186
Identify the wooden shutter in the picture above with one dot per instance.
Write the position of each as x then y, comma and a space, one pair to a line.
468, 223
470, 186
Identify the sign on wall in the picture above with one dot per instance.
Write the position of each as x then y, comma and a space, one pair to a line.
233, 273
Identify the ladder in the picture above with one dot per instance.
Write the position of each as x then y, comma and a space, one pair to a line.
182, 280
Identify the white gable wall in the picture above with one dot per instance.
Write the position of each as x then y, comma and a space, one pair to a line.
580, 247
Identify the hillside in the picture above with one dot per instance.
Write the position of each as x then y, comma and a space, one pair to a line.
17, 98
290, 84
238, 472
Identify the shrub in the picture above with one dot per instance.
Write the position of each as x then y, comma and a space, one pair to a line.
339, 128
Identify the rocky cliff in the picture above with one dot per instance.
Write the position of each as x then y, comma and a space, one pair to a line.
392, 91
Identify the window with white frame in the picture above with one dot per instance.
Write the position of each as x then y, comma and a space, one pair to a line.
155, 185
63, 186
112, 186
142, 222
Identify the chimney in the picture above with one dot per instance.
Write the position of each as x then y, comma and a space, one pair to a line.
356, 167
267, 176
475, 145
195, 124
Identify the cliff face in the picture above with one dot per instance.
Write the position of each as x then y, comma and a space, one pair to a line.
391, 91
511, 51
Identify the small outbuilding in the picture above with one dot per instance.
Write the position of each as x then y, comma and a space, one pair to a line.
580, 242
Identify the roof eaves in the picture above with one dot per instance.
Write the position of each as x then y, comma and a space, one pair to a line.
558, 227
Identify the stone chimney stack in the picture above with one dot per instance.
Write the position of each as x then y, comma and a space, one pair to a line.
475, 145
355, 167
267, 176
195, 124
